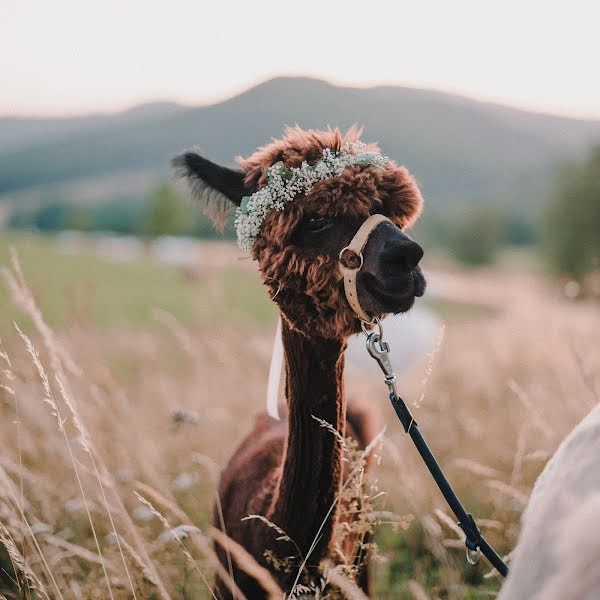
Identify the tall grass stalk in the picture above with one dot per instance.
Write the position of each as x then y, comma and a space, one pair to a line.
50, 400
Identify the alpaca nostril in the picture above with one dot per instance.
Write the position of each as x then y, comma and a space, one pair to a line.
414, 255
405, 254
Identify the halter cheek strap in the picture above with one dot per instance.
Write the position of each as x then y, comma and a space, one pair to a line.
351, 261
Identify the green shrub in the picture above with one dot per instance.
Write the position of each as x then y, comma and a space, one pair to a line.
572, 221
476, 236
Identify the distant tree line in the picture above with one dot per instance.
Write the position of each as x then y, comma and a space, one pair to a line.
571, 238
566, 233
164, 212
476, 233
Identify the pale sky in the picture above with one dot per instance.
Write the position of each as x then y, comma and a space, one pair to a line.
61, 57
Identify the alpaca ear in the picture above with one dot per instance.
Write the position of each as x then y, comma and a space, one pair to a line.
217, 190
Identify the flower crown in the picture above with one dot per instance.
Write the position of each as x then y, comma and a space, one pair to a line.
284, 184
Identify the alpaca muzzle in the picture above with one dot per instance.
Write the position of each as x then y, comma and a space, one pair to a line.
351, 261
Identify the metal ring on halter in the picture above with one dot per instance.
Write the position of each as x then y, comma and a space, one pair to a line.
470, 559
359, 254
367, 332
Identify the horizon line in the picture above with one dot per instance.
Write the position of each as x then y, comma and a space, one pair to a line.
243, 89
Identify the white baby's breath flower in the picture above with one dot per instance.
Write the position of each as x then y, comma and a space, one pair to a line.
284, 184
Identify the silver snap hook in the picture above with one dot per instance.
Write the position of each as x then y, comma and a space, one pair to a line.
374, 321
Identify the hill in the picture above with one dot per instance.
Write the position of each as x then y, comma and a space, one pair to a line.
459, 149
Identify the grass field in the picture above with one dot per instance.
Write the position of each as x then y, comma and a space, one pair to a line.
112, 294
153, 403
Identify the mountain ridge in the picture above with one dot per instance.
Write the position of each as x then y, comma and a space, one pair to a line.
457, 147
459, 97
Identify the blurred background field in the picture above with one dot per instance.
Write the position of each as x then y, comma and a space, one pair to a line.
135, 346
167, 368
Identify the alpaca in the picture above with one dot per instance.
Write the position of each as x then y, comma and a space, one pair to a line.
291, 471
558, 549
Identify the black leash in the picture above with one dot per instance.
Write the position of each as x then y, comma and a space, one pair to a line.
474, 540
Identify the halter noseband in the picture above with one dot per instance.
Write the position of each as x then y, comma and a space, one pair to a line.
351, 261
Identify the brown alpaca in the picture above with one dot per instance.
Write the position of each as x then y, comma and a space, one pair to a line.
291, 471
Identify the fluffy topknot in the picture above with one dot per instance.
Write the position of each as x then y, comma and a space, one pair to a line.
397, 188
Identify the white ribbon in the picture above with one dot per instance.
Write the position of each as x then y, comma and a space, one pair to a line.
275, 374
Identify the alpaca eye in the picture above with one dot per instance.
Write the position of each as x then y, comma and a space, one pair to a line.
317, 224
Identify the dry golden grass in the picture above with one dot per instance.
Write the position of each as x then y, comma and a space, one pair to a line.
111, 443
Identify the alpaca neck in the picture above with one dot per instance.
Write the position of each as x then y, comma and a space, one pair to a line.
312, 465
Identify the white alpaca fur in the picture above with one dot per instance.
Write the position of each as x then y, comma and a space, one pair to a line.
558, 551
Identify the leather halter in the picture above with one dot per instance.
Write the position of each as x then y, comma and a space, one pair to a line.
351, 261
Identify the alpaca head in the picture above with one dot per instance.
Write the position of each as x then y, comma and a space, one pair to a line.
298, 246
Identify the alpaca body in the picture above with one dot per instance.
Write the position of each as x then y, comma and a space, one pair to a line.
294, 465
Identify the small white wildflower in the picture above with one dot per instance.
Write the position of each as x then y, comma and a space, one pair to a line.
40, 527
66, 534
124, 475
74, 505
110, 538
184, 481
181, 532
143, 513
